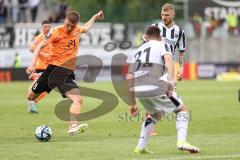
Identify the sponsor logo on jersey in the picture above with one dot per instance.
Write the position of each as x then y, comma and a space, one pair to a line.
47, 36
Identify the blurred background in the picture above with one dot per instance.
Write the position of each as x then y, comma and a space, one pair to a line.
212, 31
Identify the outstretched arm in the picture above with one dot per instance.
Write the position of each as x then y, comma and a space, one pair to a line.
98, 16
37, 50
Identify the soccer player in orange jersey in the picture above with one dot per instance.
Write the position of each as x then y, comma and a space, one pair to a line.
63, 41
41, 63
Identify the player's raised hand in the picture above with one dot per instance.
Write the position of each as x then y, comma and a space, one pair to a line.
30, 69
100, 15
134, 111
180, 75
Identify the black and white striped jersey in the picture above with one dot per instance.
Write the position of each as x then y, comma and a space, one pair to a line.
174, 36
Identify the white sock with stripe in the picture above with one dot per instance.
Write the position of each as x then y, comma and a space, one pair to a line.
147, 127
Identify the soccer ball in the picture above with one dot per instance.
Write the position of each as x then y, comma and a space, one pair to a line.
43, 133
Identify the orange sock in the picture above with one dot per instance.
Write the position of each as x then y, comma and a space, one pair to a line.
40, 97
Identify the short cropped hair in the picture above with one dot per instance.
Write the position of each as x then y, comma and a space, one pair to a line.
153, 31
168, 6
45, 22
73, 16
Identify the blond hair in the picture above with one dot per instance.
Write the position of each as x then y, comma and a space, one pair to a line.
168, 6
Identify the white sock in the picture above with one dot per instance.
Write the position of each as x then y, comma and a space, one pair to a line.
182, 125
31, 103
147, 127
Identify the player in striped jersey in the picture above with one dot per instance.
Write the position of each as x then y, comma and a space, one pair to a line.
150, 63
172, 34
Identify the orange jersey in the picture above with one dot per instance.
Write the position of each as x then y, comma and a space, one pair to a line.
63, 46
41, 61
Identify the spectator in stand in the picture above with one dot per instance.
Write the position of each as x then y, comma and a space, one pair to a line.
17, 63
33, 4
54, 18
138, 39
14, 11
220, 31
211, 25
238, 24
232, 21
197, 21
45, 4
188, 26
22, 16
3, 12
61, 9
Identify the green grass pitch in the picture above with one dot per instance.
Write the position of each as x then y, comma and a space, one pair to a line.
214, 126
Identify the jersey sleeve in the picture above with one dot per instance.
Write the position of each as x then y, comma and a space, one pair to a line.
81, 29
165, 49
182, 43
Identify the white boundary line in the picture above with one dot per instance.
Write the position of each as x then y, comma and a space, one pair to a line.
197, 157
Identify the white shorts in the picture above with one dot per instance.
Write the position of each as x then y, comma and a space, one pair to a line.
162, 103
